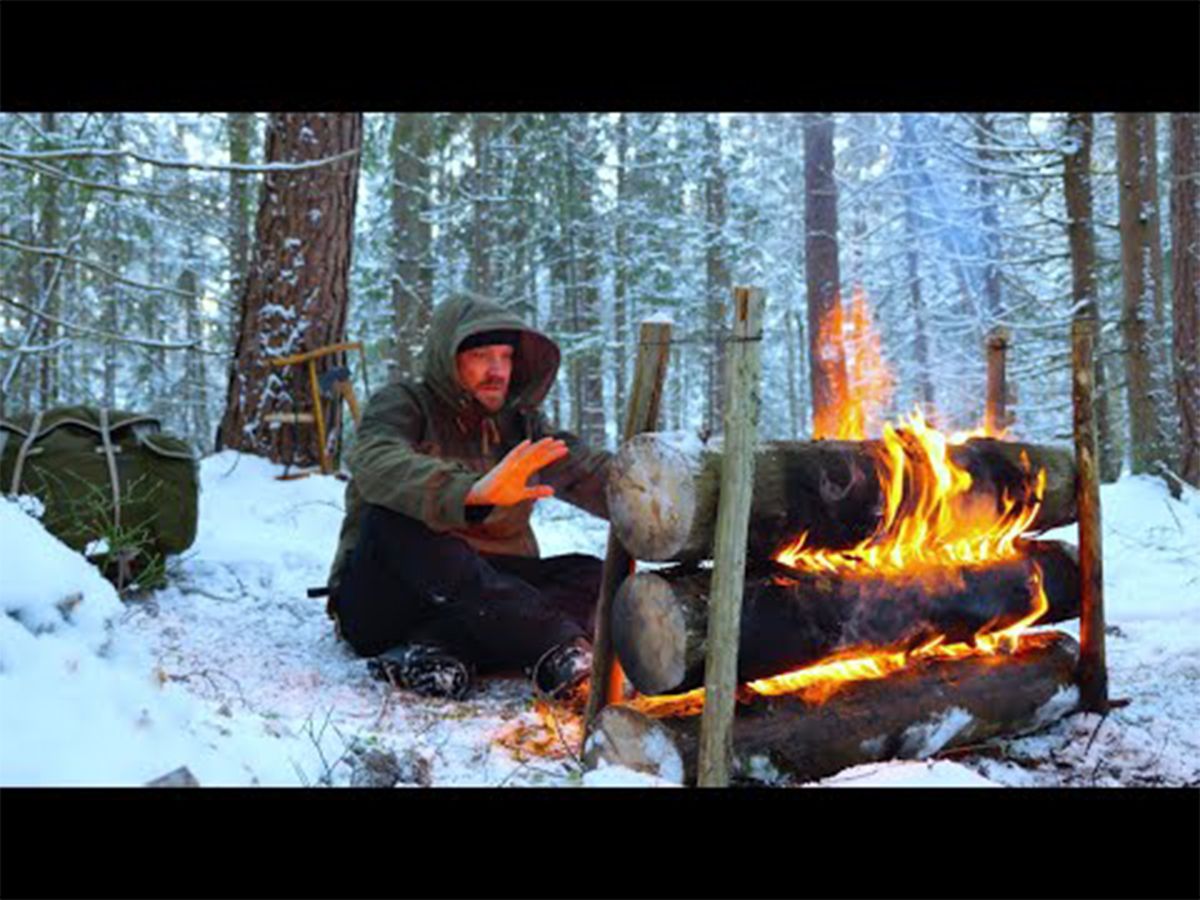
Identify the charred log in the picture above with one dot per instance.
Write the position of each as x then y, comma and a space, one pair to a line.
791, 619
662, 494
933, 705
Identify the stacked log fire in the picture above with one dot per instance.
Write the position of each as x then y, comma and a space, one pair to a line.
851, 649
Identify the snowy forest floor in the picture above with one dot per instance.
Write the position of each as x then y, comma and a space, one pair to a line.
234, 672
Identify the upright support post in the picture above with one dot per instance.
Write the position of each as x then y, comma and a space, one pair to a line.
318, 415
729, 544
645, 399
1093, 671
995, 416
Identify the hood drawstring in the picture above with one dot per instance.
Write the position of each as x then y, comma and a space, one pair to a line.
489, 431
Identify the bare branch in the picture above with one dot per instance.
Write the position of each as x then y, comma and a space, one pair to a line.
45, 348
107, 335
43, 169
87, 263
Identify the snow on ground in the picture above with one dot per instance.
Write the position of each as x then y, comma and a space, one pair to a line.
234, 672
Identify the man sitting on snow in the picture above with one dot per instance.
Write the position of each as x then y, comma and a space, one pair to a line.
437, 573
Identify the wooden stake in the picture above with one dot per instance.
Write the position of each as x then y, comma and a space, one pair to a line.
1092, 672
995, 417
729, 551
645, 398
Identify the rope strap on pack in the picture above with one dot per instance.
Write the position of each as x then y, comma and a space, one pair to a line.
111, 458
26, 446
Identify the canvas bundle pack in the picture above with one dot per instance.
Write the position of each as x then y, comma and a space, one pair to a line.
112, 484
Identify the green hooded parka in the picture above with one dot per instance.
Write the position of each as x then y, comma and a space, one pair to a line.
421, 446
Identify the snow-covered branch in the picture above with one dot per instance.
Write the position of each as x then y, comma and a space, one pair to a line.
100, 153
56, 253
107, 335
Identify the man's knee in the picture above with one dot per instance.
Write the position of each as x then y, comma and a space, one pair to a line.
403, 540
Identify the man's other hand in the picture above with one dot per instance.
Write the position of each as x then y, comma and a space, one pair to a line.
505, 484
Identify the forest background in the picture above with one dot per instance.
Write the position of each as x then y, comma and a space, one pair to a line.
155, 262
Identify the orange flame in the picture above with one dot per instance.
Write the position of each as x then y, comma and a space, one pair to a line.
852, 364
930, 526
549, 732
929, 520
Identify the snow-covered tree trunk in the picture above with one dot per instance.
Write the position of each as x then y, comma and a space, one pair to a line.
482, 187
717, 281
909, 158
412, 268
1077, 190
48, 237
1141, 279
241, 135
1185, 287
827, 360
621, 262
989, 219
297, 287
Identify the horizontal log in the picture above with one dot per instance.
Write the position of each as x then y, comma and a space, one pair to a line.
662, 491
932, 706
791, 619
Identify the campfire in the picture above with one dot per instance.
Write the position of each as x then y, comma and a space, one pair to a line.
890, 580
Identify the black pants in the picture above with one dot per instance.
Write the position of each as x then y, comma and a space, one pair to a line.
405, 583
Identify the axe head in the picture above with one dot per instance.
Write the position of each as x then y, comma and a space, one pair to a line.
331, 377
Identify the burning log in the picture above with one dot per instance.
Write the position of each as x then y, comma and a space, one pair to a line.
914, 713
662, 495
791, 619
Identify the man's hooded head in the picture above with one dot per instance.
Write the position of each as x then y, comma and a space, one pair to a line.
478, 350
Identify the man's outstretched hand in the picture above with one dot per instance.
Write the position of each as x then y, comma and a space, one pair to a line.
505, 485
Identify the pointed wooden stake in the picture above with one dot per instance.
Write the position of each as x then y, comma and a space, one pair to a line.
729, 550
995, 416
645, 397
1093, 671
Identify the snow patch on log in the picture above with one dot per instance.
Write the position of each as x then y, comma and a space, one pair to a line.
1064, 702
927, 738
627, 739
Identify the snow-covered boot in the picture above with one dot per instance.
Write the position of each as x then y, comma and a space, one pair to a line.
425, 669
563, 668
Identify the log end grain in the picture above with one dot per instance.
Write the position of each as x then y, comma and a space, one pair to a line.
621, 736
649, 633
652, 497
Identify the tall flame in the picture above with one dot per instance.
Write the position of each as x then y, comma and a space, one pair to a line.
929, 519
852, 365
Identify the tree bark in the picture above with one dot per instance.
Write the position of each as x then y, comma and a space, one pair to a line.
1141, 285
662, 494
297, 288
791, 619
483, 127
989, 219
621, 260
412, 270
241, 135
1077, 190
1185, 287
583, 285
827, 360
930, 707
